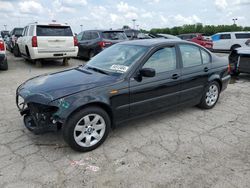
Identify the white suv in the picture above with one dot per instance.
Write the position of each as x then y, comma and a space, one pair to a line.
47, 41
229, 41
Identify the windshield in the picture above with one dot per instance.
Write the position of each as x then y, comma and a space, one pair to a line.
117, 58
114, 35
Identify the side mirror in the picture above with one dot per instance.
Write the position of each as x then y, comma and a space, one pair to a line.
147, 72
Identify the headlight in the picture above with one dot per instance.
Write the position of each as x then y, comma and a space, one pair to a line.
20, 103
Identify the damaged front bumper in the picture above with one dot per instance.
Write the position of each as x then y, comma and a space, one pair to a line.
38, 118
40, 113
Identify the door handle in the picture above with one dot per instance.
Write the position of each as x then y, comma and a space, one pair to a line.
206, 69
175, 76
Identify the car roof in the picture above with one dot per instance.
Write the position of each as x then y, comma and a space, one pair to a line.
154, 42
49, 23
233, 32
103, 30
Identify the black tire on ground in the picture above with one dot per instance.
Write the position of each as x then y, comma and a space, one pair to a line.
91, 54
203, 104
4, 65
16, 51
69, 126
65, 62
38, 63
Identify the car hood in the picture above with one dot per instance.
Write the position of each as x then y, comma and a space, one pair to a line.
49, 87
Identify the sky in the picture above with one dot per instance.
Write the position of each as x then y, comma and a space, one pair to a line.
106, 14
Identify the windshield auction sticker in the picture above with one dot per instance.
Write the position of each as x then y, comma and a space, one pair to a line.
120, 68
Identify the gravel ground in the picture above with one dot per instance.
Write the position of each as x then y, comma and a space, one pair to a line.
180, 148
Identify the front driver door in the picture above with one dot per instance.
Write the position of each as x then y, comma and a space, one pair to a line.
161, 91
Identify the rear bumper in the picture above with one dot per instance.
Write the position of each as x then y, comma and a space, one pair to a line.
225, 81
53, 54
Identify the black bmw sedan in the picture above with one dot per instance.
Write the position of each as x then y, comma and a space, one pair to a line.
127, 80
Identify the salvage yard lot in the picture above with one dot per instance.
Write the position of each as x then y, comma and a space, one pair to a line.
180, 148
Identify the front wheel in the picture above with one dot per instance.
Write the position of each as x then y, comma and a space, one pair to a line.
210, 96
87, 129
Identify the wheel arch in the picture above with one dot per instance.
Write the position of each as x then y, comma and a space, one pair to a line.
215, 78
101, 105
234, 45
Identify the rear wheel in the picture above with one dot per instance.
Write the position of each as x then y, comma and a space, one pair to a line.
210, 96
38, 63
87, 129
91, 54
65, 62
16, 51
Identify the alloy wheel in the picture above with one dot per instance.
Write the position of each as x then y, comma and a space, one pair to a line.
89, 130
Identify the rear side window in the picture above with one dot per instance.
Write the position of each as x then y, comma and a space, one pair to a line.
94, 35
86, 35
162, 60
114, 35
242, 35
47, 30
31, 30
225, 36
205, 57
191, 55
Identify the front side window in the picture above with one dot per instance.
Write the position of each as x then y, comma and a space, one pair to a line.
191, 55
162, 60
225, 36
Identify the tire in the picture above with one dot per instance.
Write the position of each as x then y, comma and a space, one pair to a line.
38, 63
16, 51
209, 98
65, 62
91, 54
4, 65
86, 133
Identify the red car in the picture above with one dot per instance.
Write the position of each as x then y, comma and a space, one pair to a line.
198, 39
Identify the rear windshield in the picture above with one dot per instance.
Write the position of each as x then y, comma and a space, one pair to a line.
44, 30
18, 31
242, 35
114, 35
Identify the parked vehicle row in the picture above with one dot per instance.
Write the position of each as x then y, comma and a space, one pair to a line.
3, 58
127, 80
12, 38
198, 39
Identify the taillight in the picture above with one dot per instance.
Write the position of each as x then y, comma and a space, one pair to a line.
229, 68
2, 48
34, 41
103, 44
75, 41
